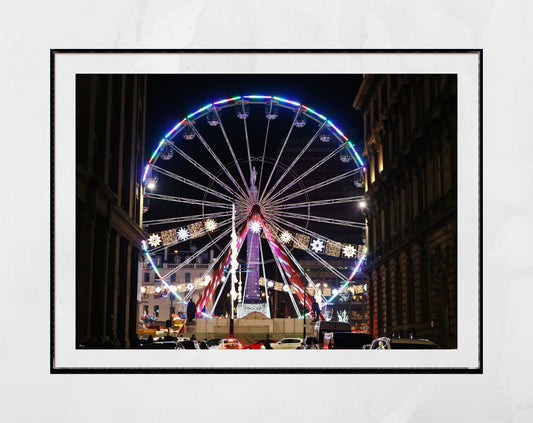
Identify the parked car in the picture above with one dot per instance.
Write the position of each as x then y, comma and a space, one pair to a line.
346, 340
385, 343
287, 344
203, 345
187, 345
229, 344
213, 343
257, 344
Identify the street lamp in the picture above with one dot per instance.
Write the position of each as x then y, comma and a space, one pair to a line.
305, 307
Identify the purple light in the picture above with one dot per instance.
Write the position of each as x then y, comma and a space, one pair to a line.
146, 172
262, 97
227, 100
174, 129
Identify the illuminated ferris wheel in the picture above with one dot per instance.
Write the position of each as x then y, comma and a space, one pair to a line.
272, 187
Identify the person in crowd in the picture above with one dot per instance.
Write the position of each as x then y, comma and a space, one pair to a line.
267, 343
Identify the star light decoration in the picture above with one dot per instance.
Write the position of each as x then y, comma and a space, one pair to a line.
210, 225
154, 240
317, 245
255, 226
183, 234
285, 237
349, 251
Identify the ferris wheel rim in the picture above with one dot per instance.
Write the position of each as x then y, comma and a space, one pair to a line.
255, 99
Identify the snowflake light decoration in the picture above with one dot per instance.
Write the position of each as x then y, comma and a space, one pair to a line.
154, 240
190, 286
255, 226
285, 237
210, 225
349, 251
317, 245
183, 234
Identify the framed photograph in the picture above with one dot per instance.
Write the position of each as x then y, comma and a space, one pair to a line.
266, 211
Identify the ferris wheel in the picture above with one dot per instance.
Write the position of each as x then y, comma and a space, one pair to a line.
270, 186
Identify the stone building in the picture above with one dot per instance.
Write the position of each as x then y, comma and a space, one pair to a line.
157, 301
110, 126
411, 190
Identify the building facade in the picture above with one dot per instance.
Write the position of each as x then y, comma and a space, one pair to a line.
110, 127
411, 190
188, 282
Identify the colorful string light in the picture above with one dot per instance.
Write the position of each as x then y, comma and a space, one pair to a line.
224, 101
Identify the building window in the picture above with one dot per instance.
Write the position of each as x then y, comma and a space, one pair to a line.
147, 277
438, 175
380, 158
422, 189
187, 277
173, 277
156, 310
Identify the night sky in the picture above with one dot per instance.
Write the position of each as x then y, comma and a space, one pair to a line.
172, 97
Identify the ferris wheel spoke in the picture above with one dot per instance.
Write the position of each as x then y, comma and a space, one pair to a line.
220, 225
317, 258
209, 269
307, 172
321, 219
247, 140
324, 202
264, 148
293, 259
284, 277
315, 187
293, 226
198, 253
203, 169
187, 200
280, 153
191, 183
222, 166
186, 218
304, 149
264, 276
238, 167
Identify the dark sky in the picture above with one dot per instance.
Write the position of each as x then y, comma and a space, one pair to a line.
172, 97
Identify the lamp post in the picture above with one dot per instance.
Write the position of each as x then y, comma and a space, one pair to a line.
305, 309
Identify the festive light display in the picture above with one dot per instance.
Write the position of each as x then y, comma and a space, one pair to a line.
342, 316
169, 237
286, 237
349, 251
333, 248
196, 229
210, 225
183, 234
154, 240
301, 241
317, 245
255, 226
